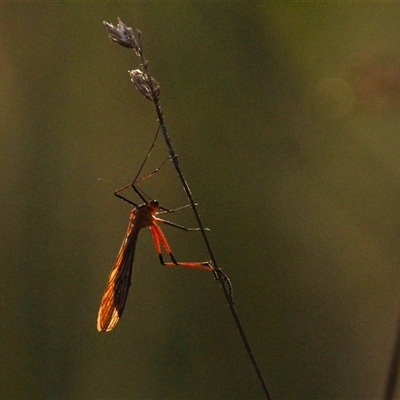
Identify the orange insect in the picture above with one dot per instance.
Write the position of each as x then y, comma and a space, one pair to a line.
117, 289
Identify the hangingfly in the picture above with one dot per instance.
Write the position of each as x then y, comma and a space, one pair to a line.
142, 216
117, 289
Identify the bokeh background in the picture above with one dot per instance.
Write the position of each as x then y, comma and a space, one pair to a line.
286, 119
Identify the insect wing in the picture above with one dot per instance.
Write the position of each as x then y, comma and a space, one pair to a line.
117, 289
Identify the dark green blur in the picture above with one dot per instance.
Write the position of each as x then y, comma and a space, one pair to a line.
286, 119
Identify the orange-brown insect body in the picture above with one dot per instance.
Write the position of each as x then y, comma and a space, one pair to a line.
117, 289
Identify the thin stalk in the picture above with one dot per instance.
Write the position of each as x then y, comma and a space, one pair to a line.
391, 383
148, 87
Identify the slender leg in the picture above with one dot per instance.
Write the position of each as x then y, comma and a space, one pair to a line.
163, 221
132, 185
160, 240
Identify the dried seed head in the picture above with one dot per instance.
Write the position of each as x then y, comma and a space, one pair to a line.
123, 35
141, 82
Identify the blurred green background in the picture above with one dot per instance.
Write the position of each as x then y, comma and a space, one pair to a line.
286, 120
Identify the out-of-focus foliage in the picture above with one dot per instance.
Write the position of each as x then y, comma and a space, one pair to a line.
286, 120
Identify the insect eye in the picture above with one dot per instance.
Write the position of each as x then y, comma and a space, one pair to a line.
154, 203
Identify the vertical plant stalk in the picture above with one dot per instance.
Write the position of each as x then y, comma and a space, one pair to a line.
150, 89
391, 383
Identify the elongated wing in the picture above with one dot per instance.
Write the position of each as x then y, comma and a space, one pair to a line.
117, 289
